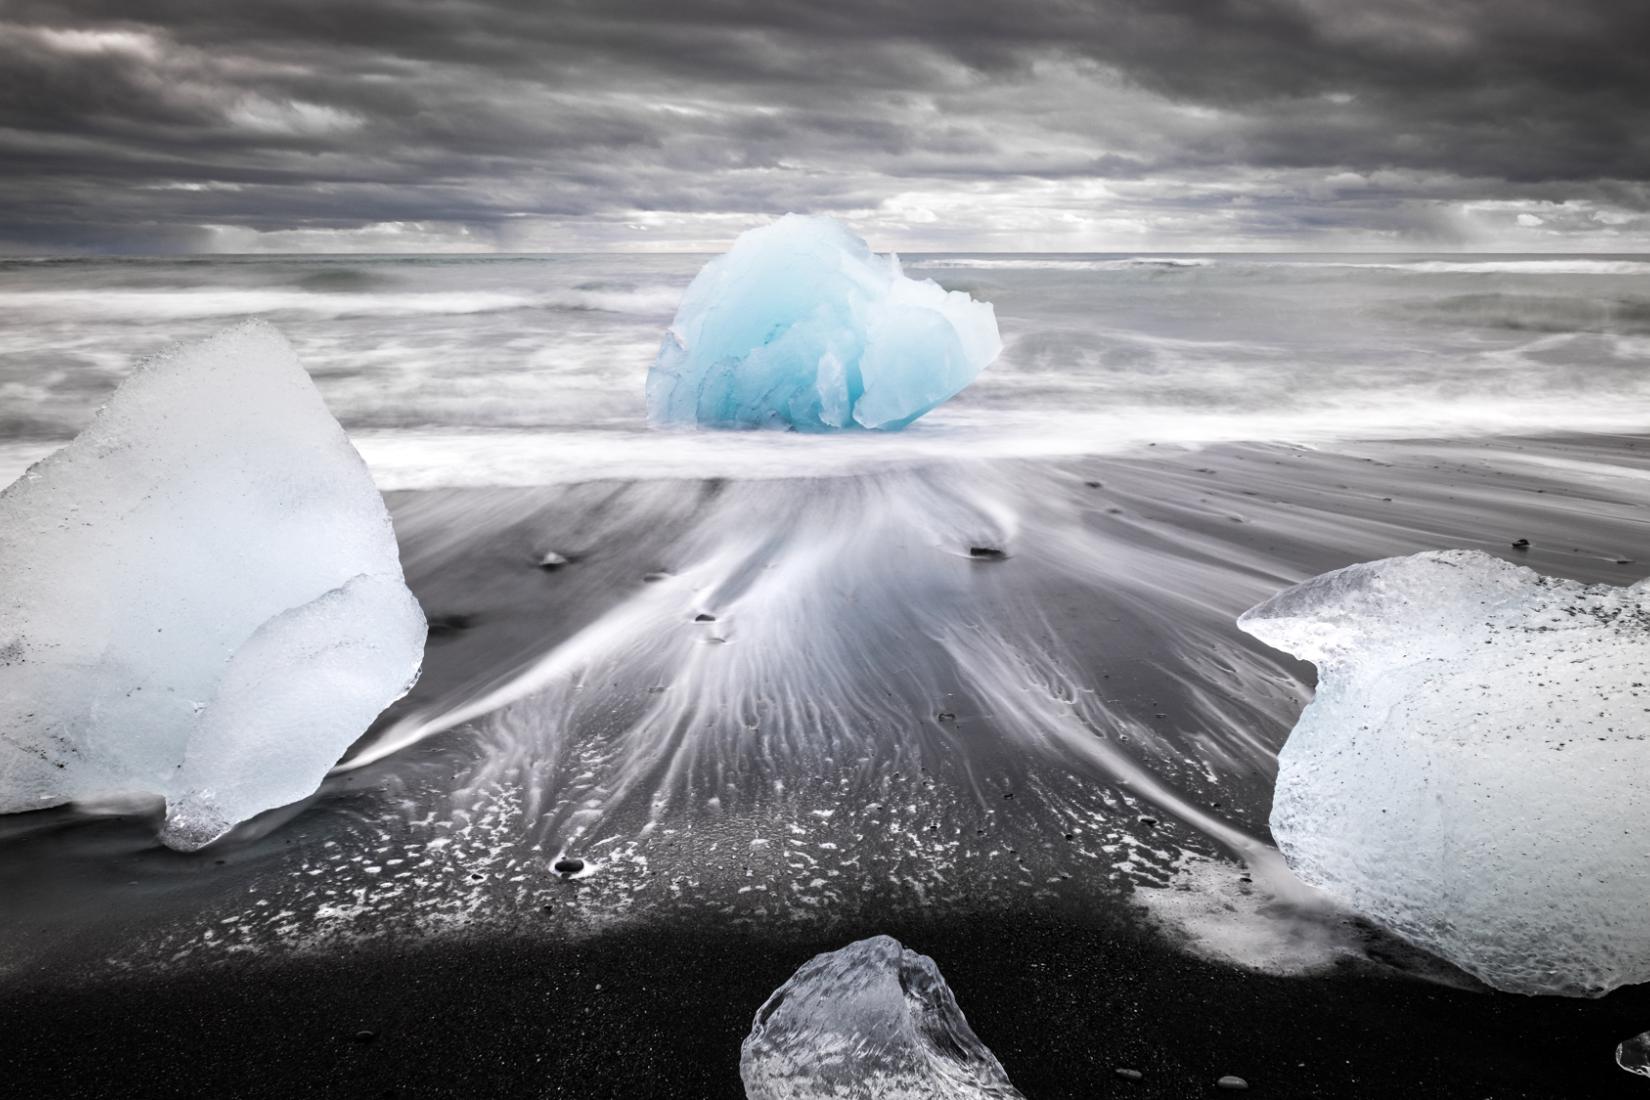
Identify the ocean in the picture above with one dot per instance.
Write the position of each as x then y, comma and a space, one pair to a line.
525, 370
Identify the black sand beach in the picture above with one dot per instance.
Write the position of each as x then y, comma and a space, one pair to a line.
134, 971
660, 1013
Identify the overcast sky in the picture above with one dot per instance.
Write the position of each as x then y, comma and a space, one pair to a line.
248, 125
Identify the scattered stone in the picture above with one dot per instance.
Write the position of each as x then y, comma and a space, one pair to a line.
703, 617
945, 716
655, 577
1149, 822
1624, 561
567, 866
1092, 484
1129, 1074
365, 1036
1232, 1082
1521, 544
553, 561
987, 553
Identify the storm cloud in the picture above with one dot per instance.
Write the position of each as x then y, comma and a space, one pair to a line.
192, 125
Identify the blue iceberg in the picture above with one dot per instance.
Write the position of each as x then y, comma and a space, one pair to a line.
800, 325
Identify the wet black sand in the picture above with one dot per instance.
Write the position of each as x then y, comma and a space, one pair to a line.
660, 1013
1062, 1001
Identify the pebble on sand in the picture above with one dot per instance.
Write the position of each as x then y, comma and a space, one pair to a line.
1129, 1074
1233, 1082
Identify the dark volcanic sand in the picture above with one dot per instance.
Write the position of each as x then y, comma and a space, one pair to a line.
1060, 1006
1064, 989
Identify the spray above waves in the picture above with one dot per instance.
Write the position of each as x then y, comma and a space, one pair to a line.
1032, 263
141, 306
1568, 265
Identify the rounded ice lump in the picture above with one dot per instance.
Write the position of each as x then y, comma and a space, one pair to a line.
874, 1021
800, 325
1474, 772
202, 596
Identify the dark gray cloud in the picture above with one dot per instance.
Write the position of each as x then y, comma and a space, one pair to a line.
197, 124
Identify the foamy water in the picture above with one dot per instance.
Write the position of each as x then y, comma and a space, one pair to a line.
528, 370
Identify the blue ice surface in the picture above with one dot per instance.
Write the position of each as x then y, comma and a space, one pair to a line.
800, 325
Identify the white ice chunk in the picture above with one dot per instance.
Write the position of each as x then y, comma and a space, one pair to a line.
873, 1021
202, 596
1474, 772
801, 325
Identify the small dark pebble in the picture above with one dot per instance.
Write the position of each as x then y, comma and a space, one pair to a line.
1152, 821
945, 716
1092, 484
567, 866
1521, 544
653, 578
1071, 836
553, 561
1010, 794
1233, 1082
987, 553
1129, 1074
702, 617
365, 1036
1624, 561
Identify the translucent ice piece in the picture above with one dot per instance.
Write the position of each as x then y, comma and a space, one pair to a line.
873, 1021
1474, 772
801, 325
202, 596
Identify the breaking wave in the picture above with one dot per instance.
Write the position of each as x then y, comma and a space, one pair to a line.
1130, 263
192, 303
